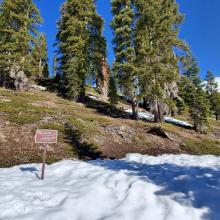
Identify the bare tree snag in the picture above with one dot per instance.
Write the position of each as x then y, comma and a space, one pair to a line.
103, 80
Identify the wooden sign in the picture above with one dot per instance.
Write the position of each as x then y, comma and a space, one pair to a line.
44, 136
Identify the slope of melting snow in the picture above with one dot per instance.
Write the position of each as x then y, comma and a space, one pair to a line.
169, 187
150, 117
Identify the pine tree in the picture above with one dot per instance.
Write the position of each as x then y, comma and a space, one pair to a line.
97, 54
191, 69
40, 59
124, 66
156, 34
197, 100
215, 104
55, 66
19, 20
194, 95
211, 84
212, 90
81, 46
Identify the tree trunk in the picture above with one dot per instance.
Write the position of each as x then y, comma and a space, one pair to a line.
158, 111
134, 105
200, 128
82, 92
40, 69
145, 103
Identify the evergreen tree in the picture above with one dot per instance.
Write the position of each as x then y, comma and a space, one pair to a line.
191, 69
81, 46
19, 20
157, 30
211, 84
55, 66
198, 103
97, 54
194, 95
215, 104
123, 25
40, 59
214, 97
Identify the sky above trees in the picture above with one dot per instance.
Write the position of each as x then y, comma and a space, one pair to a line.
200, 29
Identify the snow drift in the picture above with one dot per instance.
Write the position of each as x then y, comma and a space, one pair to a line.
150, 117
138, 187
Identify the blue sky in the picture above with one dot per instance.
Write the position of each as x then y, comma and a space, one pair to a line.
201, 28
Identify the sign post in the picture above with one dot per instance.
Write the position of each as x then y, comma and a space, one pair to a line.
44, 162
46, 137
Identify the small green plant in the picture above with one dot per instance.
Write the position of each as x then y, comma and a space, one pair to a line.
202, 147
24, 119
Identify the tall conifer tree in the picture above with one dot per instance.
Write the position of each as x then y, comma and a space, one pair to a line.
193, 93
55, 66
215, 104
81, 45
19, 21
211, 84
40, 59
213, 94
123, 25
157, 31
97, 54
191, 69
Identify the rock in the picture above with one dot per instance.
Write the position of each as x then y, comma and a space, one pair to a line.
121, 131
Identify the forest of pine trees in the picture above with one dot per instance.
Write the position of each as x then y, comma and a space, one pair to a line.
152, 64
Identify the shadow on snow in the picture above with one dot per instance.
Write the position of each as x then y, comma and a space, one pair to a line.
198, 187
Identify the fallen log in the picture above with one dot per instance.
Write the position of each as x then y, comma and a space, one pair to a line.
159, 131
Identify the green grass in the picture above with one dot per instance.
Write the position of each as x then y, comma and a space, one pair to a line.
19, 109
202, 147
23, 119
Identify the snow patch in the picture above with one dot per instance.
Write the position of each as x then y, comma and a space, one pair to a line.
150, 117
137, 187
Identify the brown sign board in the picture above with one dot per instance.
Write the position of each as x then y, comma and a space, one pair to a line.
44, 136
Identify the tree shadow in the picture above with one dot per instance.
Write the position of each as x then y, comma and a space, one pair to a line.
105, 108
84, 150
198, 187
54, 85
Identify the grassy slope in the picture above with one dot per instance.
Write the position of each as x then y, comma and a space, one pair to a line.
86, 131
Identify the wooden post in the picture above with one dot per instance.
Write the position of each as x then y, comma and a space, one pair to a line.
44, 162
46, 137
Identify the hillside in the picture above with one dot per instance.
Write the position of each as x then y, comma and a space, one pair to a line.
87, 131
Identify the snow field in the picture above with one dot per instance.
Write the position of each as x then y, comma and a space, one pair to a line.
167, 187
